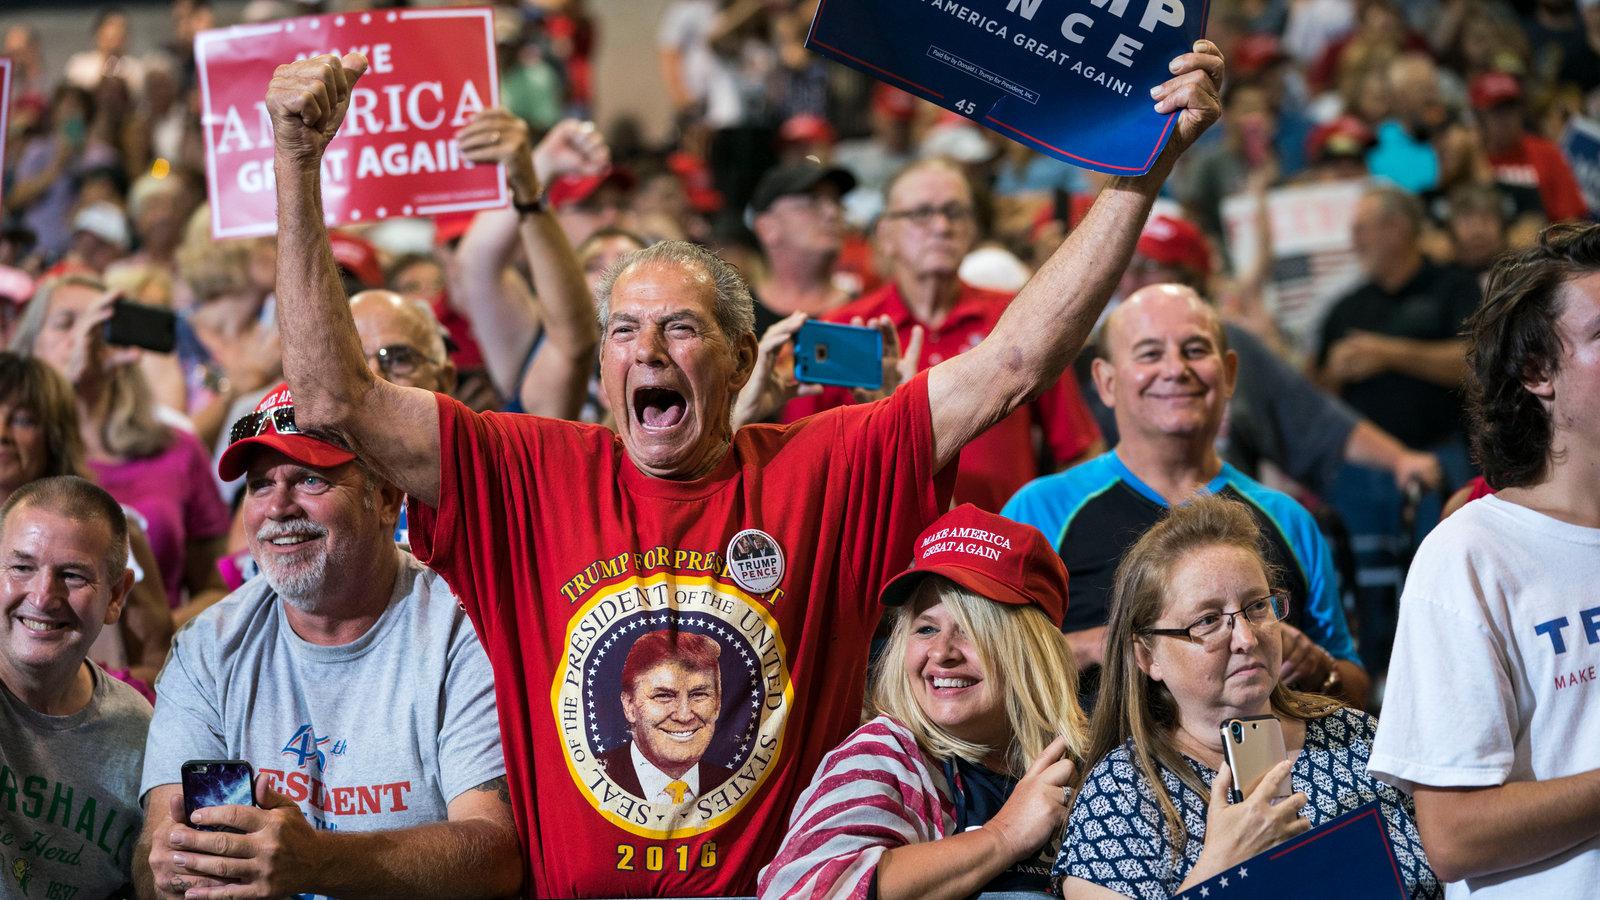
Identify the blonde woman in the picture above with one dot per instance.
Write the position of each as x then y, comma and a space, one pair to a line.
1193, 640
162, 473
959, 783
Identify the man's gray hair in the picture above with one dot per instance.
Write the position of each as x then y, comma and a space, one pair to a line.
733, 306
1396, 201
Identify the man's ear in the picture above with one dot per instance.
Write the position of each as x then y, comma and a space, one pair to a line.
1539, 380
744, 350
1230, 366
1105, 381
628, 710
119, 597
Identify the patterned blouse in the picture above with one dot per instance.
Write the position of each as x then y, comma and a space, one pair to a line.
1118, 839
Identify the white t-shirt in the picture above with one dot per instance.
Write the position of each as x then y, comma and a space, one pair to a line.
1494, 672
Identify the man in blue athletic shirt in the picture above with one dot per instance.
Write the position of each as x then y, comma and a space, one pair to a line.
1168, 374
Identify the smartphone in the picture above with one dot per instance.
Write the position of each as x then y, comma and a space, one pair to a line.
843, 355
139, 325
217, 782
1253, 745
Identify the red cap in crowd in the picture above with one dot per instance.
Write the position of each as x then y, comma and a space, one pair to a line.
1492, 89
1255, 53
990, 555
271, 426
1174, 242
1344, 136
358, 257
570, 189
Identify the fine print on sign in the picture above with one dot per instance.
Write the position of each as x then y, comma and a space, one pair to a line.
428, 72
1069, 78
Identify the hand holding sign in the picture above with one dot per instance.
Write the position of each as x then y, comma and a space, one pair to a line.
497, 136
1195, 89
307, 100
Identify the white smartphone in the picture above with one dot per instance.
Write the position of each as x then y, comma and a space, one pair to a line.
1253, 745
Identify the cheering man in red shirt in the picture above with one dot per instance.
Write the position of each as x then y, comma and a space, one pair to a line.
566, 542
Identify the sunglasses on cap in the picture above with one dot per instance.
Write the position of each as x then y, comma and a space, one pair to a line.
282, 418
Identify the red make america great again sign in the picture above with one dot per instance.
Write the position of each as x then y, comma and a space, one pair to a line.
428, 72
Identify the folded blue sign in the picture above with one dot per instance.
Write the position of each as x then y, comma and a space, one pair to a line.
1350, 856
1069, 78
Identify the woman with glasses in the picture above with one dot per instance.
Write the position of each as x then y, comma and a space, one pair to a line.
959, 784
1193, 641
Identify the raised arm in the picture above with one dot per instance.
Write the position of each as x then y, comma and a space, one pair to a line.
395, 429
1048, 322
555, 383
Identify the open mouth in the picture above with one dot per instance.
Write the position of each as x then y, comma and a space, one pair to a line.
658, 408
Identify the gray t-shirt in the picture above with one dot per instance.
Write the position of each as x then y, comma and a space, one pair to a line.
69, 793
377, 734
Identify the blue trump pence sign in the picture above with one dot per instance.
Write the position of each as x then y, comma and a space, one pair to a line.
1069, 78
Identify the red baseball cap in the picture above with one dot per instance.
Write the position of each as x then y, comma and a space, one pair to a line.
570, 189
356, 256
1175, 242
1345, 136
994, 557
271, 426
1254, 53
1491, 89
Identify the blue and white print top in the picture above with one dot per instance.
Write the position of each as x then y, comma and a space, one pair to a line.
1118, 839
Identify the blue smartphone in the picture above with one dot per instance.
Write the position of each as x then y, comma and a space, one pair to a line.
843, 355
217, 782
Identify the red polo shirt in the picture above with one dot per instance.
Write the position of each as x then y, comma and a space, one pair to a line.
1005, 457
1538, 163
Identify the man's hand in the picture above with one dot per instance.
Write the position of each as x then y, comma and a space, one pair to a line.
571, 147
1193, 91
307, 100
496, 136
1418, 468
275, 856
899, 366
169, 879
772, 384
1358, 356
1305, 665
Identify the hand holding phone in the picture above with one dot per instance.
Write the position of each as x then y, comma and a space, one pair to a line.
216, 782
843, 355
1253, 745
141, 325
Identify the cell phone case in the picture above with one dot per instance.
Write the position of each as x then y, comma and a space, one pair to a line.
841, 355
1252, 752
217, 782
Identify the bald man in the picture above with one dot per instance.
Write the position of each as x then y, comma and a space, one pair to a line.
402, 341
1167, 374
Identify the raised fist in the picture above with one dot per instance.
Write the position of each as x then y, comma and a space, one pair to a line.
496, 136
571, 147
307, 100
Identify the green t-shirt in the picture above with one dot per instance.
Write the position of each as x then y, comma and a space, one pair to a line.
69, 793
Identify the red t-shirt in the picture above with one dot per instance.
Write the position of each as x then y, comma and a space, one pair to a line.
1538, 163
1004, 458
564, 554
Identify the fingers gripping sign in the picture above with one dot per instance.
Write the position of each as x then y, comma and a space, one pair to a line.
307, 100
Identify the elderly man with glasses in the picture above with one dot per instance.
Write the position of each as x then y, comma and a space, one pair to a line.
1167, 374
929, 226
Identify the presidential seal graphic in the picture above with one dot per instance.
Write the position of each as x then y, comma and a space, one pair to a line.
671, 702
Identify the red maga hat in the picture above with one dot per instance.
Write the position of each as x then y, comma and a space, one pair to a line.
271, 426
1492, 89
990, 555
1172, 241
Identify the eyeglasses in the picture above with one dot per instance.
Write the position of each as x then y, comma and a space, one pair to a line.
1215, 628
282, 418
401, 360
956, 213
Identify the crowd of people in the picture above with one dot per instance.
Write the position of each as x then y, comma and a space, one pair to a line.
513, 554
